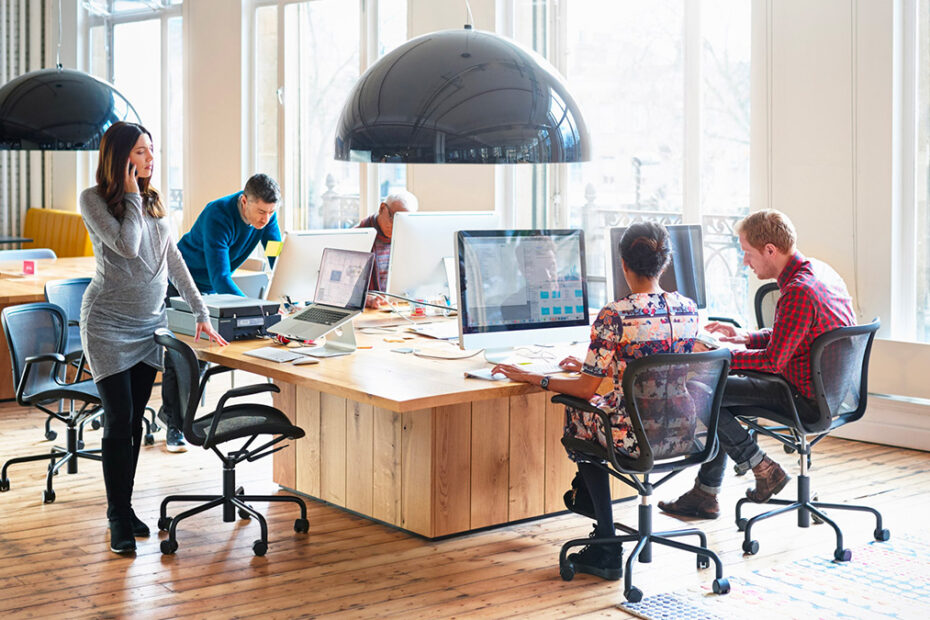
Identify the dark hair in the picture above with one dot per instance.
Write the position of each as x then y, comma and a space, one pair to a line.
262, 187
645, 249
115, 146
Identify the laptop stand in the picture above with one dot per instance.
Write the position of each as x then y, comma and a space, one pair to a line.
340, 341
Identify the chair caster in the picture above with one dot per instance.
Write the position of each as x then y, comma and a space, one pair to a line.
149, 439
80, 444
301, 526
750, 547
741, 524
168, 547
703, 561
880, 535
4, 485
244, 515
164, 523
259, 547
95, 424
634, 594
787, 449
567, 571
842, 555
48, 496
51, 435
721, 586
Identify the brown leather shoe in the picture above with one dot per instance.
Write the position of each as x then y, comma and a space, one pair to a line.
694, 503
770, 479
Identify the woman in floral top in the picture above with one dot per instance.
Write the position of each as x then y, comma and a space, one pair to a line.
645, 322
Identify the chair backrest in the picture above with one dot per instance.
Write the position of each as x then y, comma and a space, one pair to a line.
68, 295
187, 371
34, 329
673, 401
839, 371
253, 285
31, 254
765, 301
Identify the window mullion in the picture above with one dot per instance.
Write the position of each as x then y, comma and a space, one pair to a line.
691, 162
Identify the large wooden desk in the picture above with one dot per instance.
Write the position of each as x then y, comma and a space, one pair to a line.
413, 443
29, 289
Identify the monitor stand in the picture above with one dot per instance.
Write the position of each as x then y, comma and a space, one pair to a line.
340, 341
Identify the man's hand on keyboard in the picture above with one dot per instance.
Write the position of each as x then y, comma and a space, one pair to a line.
728, 333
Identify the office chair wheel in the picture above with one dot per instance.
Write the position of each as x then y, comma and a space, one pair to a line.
48, 496
164, 523
880, 535
168, 547
634, 594
741, 524
567, 571
51, 435
703, 561
750, 547
302, 526
4, 485
95, 424
787, 449
739, 471
721, 586
244, 515
149, 439
259, 547
842, 555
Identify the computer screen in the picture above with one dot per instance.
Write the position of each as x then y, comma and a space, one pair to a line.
420, 242
295, 271
685, 271
344, 277
521, 287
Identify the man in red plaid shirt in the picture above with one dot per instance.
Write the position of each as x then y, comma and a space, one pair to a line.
807, 307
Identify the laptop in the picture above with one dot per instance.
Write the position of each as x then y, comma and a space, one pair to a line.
340, 295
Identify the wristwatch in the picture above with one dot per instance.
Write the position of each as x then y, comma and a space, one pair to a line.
544, 383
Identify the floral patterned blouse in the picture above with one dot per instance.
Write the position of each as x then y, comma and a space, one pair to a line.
638, 325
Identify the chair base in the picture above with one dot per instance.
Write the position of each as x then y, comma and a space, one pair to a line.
232, 500
644, 537
805, 508
58, 457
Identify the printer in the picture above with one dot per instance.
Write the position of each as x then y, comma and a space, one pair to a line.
234, 317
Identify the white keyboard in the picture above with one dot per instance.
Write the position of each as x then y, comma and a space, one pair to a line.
274, 354
540, 367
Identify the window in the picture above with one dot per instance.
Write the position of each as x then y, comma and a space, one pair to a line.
308, 56
922, 189
664, 89
137, 46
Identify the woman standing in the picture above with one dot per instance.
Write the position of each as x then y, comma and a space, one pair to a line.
646, 322
124, 305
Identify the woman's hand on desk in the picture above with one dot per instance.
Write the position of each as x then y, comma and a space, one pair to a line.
571, 364
515, 373
207, 328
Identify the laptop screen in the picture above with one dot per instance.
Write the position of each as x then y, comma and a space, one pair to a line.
343, 279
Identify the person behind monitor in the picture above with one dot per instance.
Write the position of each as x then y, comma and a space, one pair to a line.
124, 305
625, 329
383, 223
226, 232
807, 308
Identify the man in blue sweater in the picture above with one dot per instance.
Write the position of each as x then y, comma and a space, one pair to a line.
224, 235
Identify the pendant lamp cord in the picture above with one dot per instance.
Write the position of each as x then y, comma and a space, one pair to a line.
470, 17
58, 53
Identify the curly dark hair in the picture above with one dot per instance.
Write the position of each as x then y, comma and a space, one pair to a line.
645, 249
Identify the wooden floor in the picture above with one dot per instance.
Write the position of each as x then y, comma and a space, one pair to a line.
54, 558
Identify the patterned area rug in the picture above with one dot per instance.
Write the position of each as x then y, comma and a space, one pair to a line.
883, 580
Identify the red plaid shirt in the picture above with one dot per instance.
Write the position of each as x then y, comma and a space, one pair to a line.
382, 251
807, 308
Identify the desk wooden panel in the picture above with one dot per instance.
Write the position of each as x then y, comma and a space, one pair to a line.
411, 442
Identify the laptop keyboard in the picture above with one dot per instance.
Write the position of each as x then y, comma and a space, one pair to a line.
320, 316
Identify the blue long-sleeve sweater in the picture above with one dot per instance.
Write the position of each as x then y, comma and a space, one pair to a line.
219, 243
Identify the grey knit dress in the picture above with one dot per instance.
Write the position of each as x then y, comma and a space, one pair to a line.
125, 301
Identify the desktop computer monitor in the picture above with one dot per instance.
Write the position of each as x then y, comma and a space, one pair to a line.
685, 271
420, 244
520, 287
298, 265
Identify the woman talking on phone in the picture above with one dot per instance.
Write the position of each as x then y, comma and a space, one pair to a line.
124, 305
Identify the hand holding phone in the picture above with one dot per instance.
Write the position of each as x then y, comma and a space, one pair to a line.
130, 184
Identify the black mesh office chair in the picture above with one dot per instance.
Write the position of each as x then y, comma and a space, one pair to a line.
673, 401
68, 295
226, 423
764, 302
839, 376
37, 335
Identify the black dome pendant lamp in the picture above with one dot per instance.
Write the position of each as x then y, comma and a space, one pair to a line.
59, 109
461, 96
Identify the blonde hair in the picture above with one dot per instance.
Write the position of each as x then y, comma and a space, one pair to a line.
768, 226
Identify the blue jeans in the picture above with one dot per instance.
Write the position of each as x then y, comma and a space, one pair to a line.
735, 440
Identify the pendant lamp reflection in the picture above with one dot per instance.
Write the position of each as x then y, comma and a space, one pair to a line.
59, 110
461, 96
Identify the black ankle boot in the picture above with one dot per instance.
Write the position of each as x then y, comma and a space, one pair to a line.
121, 537
604, 561
139, 528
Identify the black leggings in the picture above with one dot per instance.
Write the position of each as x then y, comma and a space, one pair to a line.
598, 482
125, 396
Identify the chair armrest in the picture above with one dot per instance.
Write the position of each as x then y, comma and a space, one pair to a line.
246, 390
45, 357
725, 319
30, 361
780, 381
583, 405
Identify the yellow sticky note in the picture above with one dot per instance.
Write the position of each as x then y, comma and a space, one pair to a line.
273, 248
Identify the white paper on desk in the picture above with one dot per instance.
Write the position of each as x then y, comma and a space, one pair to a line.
484, 373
